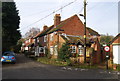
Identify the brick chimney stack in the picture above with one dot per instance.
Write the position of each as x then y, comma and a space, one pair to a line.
57, 20
45, 27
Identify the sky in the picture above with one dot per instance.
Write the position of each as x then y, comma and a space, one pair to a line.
102, 15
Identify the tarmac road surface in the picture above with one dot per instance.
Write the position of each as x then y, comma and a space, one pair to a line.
25, 68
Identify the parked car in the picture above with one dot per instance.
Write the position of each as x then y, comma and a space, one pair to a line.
8, 57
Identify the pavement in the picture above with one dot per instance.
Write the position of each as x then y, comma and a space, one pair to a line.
25, 68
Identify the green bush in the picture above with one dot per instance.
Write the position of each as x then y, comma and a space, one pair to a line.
47, 53
118, 67
64, 52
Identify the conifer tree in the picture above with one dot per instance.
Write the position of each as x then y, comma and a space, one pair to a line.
10, 25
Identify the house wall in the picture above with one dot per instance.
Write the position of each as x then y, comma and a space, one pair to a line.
41, 41
26, 43
116, 54
43, 44
54, 43
116, 51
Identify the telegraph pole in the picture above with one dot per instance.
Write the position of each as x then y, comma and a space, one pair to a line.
85, 31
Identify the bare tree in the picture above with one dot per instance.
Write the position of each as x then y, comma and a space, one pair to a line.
32, 32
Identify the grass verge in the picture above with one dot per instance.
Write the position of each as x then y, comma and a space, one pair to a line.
56, 62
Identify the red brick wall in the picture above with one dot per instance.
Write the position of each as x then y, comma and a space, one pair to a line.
41, 40
55, 40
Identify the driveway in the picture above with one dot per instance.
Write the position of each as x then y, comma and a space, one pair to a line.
25, 68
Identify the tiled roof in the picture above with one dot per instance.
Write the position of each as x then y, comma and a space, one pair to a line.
61, 25
73, 39
44, 32
92, 32
51, 29
115, 38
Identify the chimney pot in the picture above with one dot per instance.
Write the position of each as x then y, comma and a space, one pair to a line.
45, 27
57, 20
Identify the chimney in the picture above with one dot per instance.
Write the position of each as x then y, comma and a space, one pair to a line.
45, 27
57, 20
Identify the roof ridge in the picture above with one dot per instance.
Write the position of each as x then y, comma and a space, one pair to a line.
69, 17
92, 30
62, 23
115, 38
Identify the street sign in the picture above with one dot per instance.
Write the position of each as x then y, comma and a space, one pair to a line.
107, 48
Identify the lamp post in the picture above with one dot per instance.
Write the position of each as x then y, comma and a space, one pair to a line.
84, 30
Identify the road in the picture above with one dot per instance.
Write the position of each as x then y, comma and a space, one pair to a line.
25, 68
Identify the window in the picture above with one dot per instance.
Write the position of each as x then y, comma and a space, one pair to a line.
41, 49
51, 37
45, 38
29, 40
55, 50
80, 50
94, 36
26, 48
73, 48
37, 39
33, 40
44, 49
51, 50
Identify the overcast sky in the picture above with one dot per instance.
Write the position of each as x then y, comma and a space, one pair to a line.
101, 16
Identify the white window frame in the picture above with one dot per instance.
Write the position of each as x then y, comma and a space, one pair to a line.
26, 48
51, 50
73, 48
45, 38
55, 50
33, 40
29, 40
44, 49
80, 50
37, 39
40, 49
51, 37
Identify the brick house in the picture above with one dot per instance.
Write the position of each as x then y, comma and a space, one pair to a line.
41, 41
71, 31
28, 45
115, 50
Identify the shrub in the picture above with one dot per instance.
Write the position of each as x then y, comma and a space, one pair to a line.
64, 52
47, 53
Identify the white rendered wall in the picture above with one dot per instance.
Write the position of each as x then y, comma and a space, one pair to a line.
116, 54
